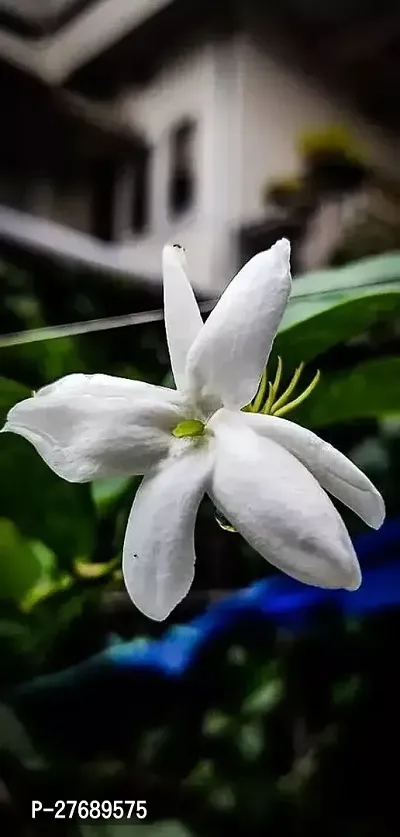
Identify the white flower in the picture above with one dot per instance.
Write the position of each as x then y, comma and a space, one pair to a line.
267, 475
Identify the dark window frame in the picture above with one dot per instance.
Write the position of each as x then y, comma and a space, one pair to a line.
182, 168
140, 204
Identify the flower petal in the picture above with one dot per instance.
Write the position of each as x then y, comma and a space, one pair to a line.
334, 471
278, 506
158, 555
100, 385
183, 320
226, 361
91, 426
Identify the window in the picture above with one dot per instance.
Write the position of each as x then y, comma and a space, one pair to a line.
141, 191
182, 159
103, 197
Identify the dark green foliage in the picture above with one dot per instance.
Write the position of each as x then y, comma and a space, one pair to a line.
268, 733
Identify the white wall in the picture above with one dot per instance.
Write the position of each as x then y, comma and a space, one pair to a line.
249, 109
279, 102
183, 90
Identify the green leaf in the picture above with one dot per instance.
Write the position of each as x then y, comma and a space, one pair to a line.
44, 589
20, 566
43, 506
107, 492
91, 571
14, 738
376, 273
215, 723
324, 325
370, 390
250, 740
10, 393
264, 698
332, 306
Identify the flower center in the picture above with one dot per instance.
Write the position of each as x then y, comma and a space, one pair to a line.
189, 428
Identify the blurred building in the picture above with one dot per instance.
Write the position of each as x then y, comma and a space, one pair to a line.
127, 123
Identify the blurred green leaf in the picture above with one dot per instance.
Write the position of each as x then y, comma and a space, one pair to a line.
40, 362
250, 740
13, 736
91, 570
61, 357
346, 691
24, 363
371, 455
20, 566
332, 306
202, 775
15, 637
371, 389
216, 723
10, 393
223, 798
42, 505
338, 284
237, 655
43, 590
264, 698
108, 491
324, 324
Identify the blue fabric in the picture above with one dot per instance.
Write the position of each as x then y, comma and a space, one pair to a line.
280, 598
284, 600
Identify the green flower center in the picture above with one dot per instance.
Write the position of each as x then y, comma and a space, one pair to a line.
189, 428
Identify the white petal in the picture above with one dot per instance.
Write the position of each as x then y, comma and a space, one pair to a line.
334, 471
110, 385
278, 506
183, 320
91, 426
158, 555
226, 362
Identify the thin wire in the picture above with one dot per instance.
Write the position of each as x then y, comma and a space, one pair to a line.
35, 335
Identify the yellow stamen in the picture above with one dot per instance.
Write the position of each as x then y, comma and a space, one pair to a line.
288, 391
278, 376
268, 404
224, 523
273, 388
257, 403
299, 400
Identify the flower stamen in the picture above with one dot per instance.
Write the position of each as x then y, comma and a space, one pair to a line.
288, 391
278, 406
273, 388
300, 398
256, 405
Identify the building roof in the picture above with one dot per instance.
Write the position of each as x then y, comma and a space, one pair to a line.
96, 45
351, 45
33, 20
62, 127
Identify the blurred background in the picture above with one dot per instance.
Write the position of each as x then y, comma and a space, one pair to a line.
260, 706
